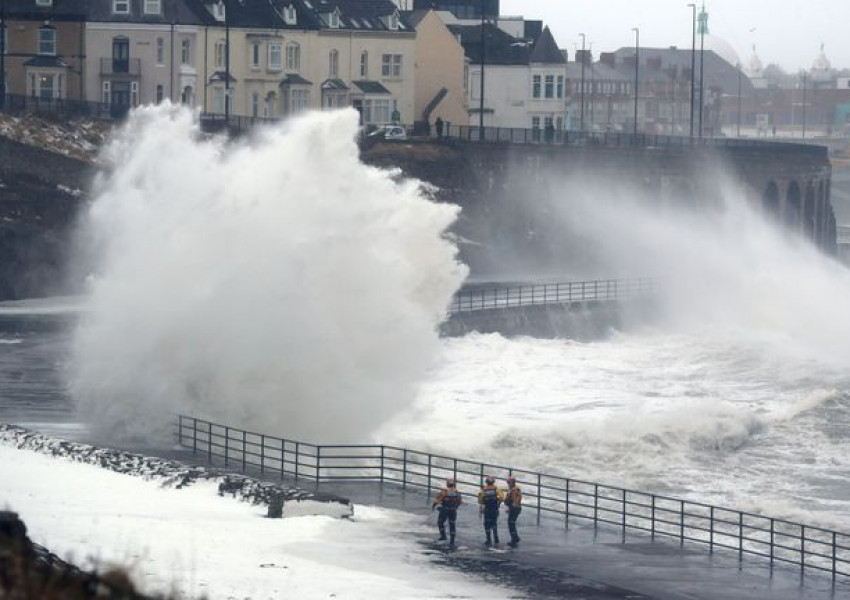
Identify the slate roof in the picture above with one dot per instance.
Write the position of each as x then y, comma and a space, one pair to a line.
221, 76
54, 62
294, 79
185, 12
62, 10
546, 50
370, 87
501, 47
334, 84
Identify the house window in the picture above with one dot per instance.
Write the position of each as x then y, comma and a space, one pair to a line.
270, 104
535, 86
550, 86
220, 54
476, 85
255, 56
290, 17
255, 104
333, 20
46, 86
153, 7
560, 88
393, 22
275, 57
47, 41
160, 94
333, 64
391, 66
218, 100
377, 111
121, 7
134, 93
160, 51
293, 57
185, 51
299, 100
44, 2
106, 92
364, 65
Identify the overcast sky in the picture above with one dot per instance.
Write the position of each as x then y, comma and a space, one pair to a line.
787, 32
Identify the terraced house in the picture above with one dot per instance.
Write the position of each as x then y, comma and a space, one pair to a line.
144, 51
43, 48
291, 55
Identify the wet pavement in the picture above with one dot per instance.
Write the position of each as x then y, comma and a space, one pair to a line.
583, 563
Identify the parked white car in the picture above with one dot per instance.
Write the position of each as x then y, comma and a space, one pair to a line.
389, 132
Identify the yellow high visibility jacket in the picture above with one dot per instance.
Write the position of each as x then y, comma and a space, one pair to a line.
491, 496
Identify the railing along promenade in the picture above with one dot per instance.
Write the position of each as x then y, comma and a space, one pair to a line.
496, 296
16, 103
556, 497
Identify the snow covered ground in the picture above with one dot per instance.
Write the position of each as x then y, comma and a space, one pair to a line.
195, 543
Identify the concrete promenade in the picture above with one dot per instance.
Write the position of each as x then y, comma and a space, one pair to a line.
581, 563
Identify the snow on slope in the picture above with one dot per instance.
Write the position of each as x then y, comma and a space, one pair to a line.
196, 543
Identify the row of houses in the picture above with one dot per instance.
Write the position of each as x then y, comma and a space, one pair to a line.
392, 60
408, 61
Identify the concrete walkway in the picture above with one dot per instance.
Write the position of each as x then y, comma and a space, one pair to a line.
581, 562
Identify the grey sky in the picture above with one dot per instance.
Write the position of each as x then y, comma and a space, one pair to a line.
786, 32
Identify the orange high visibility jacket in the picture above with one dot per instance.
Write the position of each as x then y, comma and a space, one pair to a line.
448, 498
513, 499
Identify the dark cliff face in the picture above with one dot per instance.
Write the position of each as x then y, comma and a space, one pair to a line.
41, 193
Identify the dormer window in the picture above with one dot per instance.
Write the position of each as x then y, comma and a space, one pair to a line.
392, 21
218, 11
333, 19
121, 7
153, 7
44, 2
290, 17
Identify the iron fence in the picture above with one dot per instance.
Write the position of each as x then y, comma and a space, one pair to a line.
603, 290
514, 135
550, 496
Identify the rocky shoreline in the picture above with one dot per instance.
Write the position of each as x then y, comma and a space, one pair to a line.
172, 473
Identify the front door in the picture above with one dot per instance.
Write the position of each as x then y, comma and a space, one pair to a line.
120, 98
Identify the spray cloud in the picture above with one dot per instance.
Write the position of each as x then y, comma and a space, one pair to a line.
278, 284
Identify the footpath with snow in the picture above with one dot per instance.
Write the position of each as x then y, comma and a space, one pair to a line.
176, 534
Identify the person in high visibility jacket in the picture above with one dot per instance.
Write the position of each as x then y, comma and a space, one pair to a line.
513, 502
489, 499
447, 500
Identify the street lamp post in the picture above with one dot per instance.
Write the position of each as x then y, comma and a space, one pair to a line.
805, 75
740, 76
227, 62
703, 26
483, 61
693, 62
2, 53
637, 73
581, 127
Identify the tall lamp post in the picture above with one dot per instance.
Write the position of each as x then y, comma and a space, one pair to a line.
740, 77
227, 62
2, 53
703, 29
581, 128
805, 76
637, 73
483, 61
693, 62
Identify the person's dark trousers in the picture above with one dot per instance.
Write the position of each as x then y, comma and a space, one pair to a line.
513, 513
491, 518
450, 516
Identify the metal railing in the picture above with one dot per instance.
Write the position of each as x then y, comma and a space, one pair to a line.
62, 107
513, 135
574, 292
550, 496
